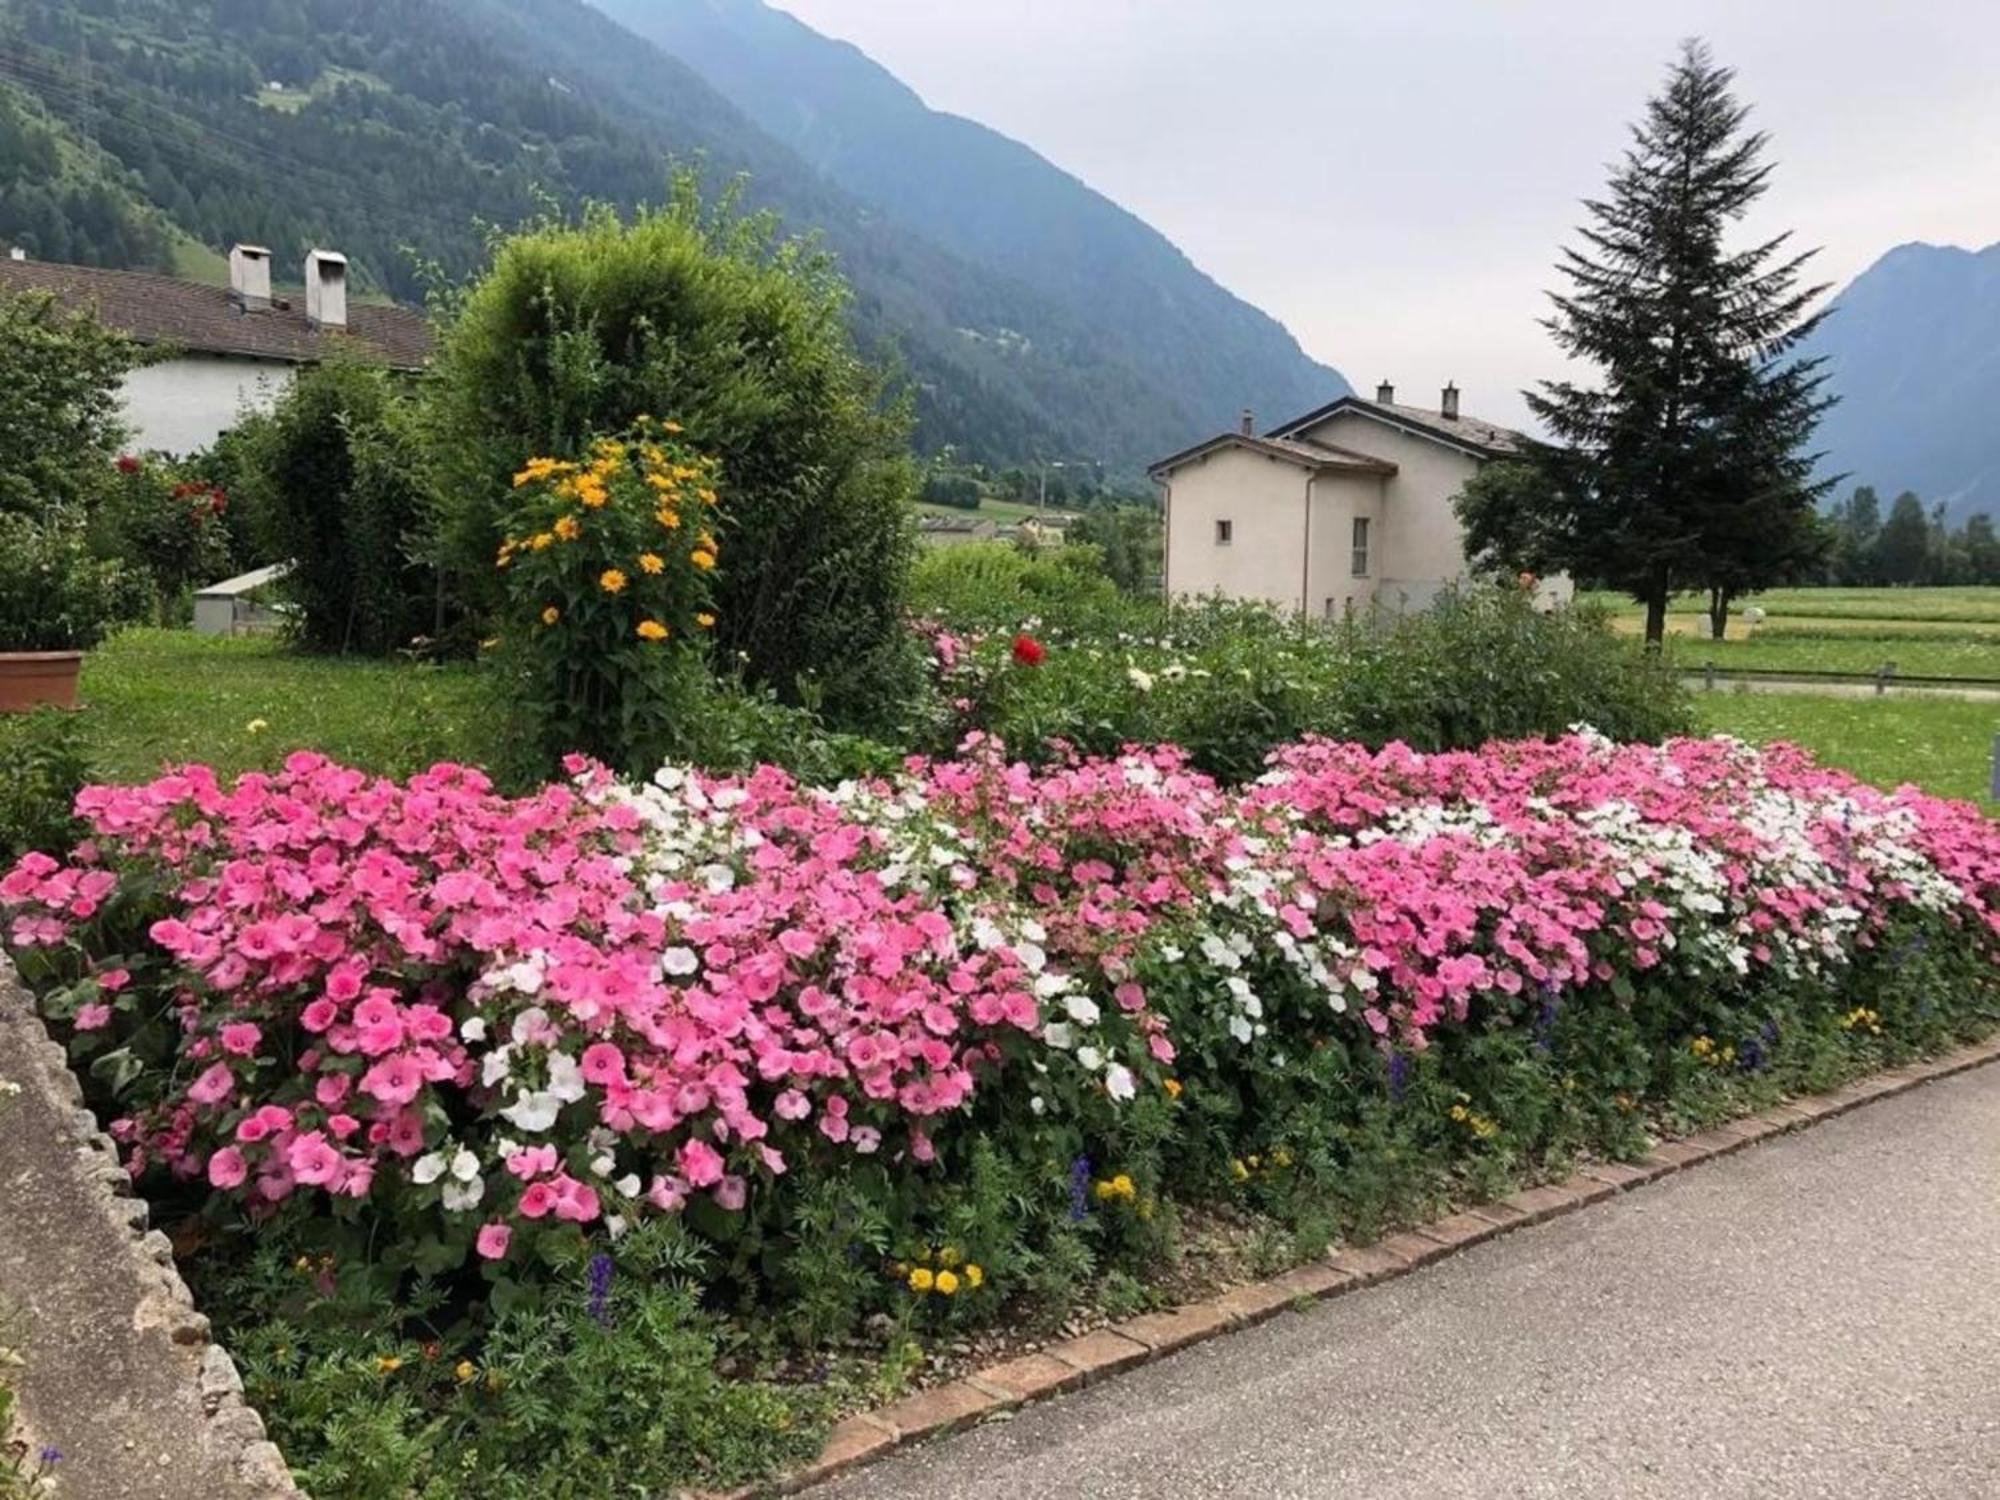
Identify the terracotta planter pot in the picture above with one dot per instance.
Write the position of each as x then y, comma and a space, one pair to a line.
33, 679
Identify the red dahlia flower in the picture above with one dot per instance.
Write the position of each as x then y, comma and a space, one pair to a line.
1028, 651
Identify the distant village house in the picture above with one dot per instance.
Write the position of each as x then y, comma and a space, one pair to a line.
1342, 511
224, 350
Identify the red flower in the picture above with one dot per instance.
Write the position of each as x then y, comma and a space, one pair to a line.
127, 464
1028, 651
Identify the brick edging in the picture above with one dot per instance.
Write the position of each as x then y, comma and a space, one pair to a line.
1081, 1361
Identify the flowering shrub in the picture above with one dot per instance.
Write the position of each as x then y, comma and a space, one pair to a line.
607, 565
169, 528
487, 1020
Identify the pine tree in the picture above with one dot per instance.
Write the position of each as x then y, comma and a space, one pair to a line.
1684, 467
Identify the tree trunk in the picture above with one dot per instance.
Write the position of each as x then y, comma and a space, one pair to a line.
1719, 601
1656, 617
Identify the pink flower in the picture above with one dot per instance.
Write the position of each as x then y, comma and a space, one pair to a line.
538, 1201
93, 1017
313, 1159
318, 1015
700, 1163
603, 1064
226, 1169
493, 1241
731, 1193
214, 1085
240, 1038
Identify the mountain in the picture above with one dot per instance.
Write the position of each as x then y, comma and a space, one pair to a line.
399, 130
1912, 347
995, 202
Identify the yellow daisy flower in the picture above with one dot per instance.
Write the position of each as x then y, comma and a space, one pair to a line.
612, 581
652, 630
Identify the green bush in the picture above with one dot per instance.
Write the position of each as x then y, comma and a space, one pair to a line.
59, 404
43, 765
170, 528
54, 594
710, 319
337, 480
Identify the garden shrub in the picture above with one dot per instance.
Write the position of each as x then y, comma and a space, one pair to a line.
55, 595
336, 475
169, 529
60, 377
43, 765
580, 330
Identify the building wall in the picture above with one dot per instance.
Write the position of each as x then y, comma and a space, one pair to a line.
1264, 501
1421, 543
185, 403
1338, 499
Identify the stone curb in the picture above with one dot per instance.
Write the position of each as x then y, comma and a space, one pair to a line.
1081, 1361
233, 1427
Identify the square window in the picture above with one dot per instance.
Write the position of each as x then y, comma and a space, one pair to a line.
1225, 533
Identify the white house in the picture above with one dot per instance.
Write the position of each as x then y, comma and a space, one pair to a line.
1340, 511
223, 350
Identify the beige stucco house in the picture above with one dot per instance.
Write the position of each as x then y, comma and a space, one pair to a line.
1344, 510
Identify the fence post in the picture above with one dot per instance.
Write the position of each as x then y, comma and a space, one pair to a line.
1708, 675
1882, 678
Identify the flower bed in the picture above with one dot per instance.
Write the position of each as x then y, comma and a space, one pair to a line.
980, 1015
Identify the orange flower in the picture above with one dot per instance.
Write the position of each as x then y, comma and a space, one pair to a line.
702, 558
705, 620
652, 562
612, 581
551, 615
568, 528
653, 630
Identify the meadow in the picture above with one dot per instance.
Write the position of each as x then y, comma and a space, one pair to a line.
1933, 632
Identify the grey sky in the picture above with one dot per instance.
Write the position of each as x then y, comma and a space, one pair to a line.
1393, 180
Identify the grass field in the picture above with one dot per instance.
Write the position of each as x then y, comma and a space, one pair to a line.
160, 697
1946, 632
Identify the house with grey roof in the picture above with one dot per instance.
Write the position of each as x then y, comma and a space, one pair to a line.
219, 351
1345, 510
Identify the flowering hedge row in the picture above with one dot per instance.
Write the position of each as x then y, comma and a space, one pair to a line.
484, 1017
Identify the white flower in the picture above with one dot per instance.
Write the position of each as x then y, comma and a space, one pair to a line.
496, 1065
1239, 1027
628, 1185
533, 1113
679, 960
465, 1166
1082, 1009
603, 1165
429, 1168
1143, 681
1057, 1034
528, 1022
458, 1197
565, 1077
1090, 1057
473, 1028
526, 978
1118, 1081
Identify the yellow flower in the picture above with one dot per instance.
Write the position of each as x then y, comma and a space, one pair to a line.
652, 630
974, 1278
541, 541
256, 726
489, 643
1173, 1087
568, 528
949, 1256
590, 491
921, 1280
702, 559
539, 469
672, 427
1237, 1170
388, 1364
652, 562
1121, 1187
1459, 1112
705, 620
612, 581
668, 518
707, 497
464, 1372
551, 615
947, 1283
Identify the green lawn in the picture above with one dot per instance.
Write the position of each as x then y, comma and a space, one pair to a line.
1943, 745
160, 697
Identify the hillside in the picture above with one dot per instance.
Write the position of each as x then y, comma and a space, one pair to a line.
1913, 351
993, 201
396, 130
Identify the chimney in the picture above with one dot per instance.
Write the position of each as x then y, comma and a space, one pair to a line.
1249, 428
1385, 394
326, 289
1448, 403
250, 277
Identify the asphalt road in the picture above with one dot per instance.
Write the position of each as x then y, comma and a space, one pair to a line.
1818, 1316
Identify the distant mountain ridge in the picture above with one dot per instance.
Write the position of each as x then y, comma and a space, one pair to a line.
995, 202
1912, 348
149, 132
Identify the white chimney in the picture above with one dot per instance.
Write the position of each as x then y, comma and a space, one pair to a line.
1385, 394
1448, 403
326, 289
250, 277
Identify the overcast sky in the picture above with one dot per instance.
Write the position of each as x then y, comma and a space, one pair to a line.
1393, 180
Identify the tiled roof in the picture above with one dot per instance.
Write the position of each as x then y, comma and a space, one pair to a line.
156, 309
1307, 455
1488, 439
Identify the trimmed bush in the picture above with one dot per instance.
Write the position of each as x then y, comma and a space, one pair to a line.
337, 482
43, 765
580, 330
